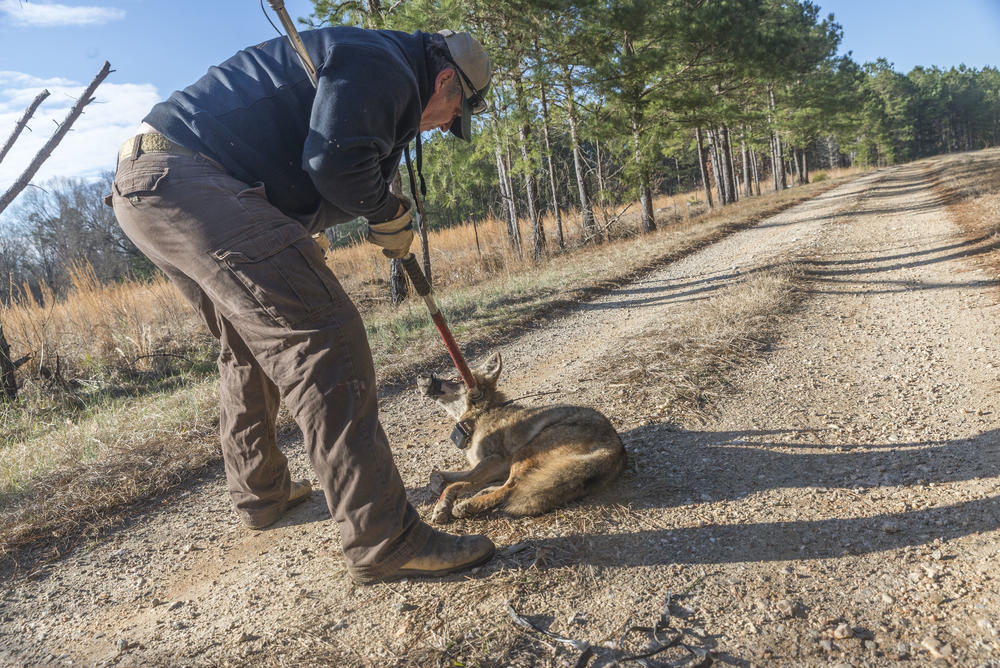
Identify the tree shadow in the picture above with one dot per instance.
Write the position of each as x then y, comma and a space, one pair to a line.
653, 295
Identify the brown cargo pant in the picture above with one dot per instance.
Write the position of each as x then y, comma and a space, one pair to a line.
288, 331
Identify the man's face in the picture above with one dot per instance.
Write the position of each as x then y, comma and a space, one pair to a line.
444, 106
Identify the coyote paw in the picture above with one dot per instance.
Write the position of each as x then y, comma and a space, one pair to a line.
459, 511
441, 515
437, 483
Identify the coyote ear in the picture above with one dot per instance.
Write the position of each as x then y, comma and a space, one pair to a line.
491, 368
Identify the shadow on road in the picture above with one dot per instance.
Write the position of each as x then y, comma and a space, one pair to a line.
679, 468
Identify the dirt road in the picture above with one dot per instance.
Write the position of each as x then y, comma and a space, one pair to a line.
840, 503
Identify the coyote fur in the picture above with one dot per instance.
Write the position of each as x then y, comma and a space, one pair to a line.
547, 455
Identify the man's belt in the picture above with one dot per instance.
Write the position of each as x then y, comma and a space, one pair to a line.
150, 142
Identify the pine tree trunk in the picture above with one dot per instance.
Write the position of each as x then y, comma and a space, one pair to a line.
524, 135
557, 214
756, 170
713, 149
507, 193
774, 164
599, 172
795, 166
730, 166
746, 164
780, 182
645, 191
538, 232
586, 207
782, 174
701, 168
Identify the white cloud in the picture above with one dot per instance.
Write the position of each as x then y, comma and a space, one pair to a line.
90, 147
45, 14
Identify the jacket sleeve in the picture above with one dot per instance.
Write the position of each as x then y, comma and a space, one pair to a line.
365, 100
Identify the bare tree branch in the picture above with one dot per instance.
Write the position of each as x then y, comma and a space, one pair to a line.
23, 122
54, 140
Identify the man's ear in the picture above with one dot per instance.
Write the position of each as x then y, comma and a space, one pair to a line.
443, 78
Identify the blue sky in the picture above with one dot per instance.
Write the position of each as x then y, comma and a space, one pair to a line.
157, 46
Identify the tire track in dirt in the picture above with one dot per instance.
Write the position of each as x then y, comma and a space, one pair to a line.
824, 480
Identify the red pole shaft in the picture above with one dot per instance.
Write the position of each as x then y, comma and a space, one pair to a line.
456, 355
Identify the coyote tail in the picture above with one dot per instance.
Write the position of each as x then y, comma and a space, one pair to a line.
557, 481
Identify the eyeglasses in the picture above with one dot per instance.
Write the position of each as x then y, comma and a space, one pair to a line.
476, 101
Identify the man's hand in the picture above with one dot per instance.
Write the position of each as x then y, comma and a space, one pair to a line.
396, 235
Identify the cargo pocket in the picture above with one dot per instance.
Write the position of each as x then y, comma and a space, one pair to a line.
282, 270
134, 184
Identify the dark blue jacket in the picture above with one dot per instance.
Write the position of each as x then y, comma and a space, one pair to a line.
258, 114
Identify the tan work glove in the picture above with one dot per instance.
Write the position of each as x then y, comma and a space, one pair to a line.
394, 236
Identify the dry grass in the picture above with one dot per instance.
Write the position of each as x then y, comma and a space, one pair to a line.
67, 462
679, 370
100, 325
970, 183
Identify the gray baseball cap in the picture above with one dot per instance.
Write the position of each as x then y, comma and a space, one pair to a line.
474, 72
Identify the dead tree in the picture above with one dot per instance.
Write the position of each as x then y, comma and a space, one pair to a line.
8, 382
42, 155
22, 123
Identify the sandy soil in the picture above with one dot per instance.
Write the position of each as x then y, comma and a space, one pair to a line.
840, 504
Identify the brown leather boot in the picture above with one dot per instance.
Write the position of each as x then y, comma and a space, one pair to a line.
443, 553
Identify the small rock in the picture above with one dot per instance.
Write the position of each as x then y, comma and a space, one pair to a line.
247, 637
514, 549
902, 649
843, 631
786, 607
826, 644
887, 599
577, 618
173, 606
890, 527
934, 647
122, 644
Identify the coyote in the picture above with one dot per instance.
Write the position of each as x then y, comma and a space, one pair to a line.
548, 455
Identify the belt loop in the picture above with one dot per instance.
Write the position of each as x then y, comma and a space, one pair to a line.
136, 147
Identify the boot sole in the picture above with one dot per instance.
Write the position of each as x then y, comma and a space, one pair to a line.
416, 573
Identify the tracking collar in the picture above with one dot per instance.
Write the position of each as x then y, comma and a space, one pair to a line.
461, 434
